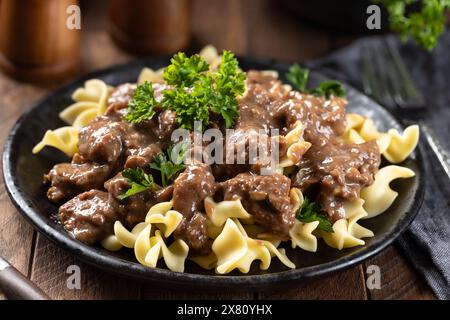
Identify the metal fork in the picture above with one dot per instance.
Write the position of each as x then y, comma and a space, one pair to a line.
386, 78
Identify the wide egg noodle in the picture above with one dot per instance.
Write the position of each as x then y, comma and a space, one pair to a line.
152, 76
296, 146
90, 103
302, 235
379, 196
165, 219
395, 147
150, 248
64, 139
218, 213
235, 250
347, 232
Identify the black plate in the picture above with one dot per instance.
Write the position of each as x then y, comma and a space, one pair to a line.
23, 175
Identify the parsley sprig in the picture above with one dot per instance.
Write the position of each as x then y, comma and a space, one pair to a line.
141, 107
184, 71
171, 163
194, 92
139, 181
329, 88
299, 77
311, 211
423, 26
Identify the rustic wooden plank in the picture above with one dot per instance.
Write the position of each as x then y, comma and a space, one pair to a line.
398, 279
50, 267
345, 285
16, 236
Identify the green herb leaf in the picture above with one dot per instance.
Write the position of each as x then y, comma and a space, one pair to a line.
139, 180
171, 164
188, 107
311, 211
197, 90
328, 89
141, 107
424, 26
229, 82
183, 71
298, 77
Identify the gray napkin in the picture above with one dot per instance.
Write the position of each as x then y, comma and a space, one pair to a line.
426, 244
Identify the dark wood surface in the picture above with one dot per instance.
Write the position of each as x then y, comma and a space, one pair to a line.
251, 27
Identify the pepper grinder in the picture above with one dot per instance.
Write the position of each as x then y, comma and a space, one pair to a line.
150, 26
38, 39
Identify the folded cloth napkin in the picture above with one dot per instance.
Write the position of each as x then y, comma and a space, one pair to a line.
426, 243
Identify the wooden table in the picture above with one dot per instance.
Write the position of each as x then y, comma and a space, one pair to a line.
251, 27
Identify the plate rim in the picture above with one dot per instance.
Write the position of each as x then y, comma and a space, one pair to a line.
129, 269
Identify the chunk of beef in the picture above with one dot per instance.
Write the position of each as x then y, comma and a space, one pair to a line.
190, 189
323, 120
106, 140
340, 171
69, 179
142, 157
134, 209
121, 95
101, 140
266, 198
90, 216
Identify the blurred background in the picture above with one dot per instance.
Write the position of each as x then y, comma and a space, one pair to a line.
36, 47
115, 31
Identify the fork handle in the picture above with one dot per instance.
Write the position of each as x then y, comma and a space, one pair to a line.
16, 286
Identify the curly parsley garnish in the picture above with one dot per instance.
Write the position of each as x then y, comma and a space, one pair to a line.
141, 107
424, 26
228, 83
299, 77
311, 211
170, 164
197, 91
184, 71
194, 92
139, 180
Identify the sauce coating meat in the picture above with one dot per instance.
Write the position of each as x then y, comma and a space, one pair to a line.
330, 172
190, 189
338, 170
265, 197
69, 179
90, 216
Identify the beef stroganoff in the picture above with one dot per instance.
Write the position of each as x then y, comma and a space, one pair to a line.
131, 185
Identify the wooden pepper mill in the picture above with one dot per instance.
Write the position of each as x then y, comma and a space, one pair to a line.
150, 26
38, 41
